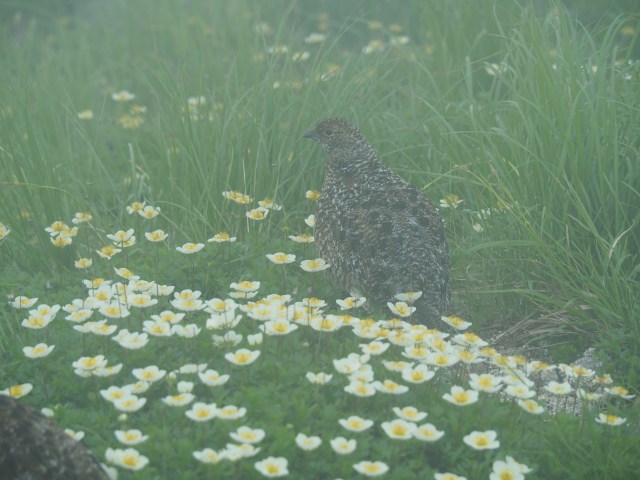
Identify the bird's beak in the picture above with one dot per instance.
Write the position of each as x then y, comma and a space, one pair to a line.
310, 135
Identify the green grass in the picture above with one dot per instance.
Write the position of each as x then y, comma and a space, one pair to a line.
544, 156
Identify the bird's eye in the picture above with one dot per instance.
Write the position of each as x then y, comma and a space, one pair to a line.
328, 132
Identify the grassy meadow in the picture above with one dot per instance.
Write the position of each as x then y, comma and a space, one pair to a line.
151, 157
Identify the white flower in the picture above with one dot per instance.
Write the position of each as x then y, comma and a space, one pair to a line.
459, 396
131, 340
241, 450
245, 434
39, 351
280, 258
209, 456
411, 414
122, 96
245, 286
355, 423
485, 382
342, 446
23, 302
619, 392
229, 339
360, 389
212, 378
130, 437
190, 248
315, 38
427, 433
242, 356
149, 212
519, 391
149, 374
374, 348
609, 419
17, 391
530, 406
278, 327
190, 330
319, 378
308, 443
90, 363
401, 309
273, 467
408, 297
482, 440
558, 388
371, 469
417, 374
508, 469
316, 265
128, 458
350, 302
231, 412
129, 403
156, 236
178, 400
456, 322
201, 412
77, 436
259, 213
389, 386
398, 429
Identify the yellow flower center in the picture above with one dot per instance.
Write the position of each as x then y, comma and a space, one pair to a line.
130, 460
242, 357
280, 327
361, 389
482, 441
466, 355
16, 390
461, 397
485, 382
471, 337
442, 360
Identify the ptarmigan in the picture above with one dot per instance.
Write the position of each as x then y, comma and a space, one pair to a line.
32, 447
380, 234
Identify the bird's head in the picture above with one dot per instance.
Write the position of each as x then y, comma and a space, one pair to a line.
341, 139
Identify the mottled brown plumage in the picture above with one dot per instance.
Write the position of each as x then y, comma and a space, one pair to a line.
33, 447
380, 234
